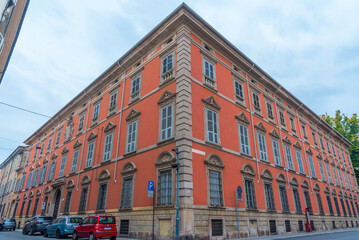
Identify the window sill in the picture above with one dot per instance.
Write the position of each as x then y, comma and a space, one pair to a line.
252, 209
111, 112
292, 171
217, 146
241, 104
99, 211
125, 209
216, 207
103, 163
210, 87
286, 212
272, 211
164, 206
81, 212
130, 154
246, 155
94, 123
134, 100
163, 142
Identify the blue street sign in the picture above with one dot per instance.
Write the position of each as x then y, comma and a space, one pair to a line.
239, 192
151, 185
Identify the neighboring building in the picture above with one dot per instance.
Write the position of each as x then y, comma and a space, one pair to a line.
9, 181
184, 85
12, 13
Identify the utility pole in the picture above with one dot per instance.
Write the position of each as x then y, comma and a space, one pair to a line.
177, 166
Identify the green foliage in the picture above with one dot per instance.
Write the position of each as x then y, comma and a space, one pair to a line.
349, 128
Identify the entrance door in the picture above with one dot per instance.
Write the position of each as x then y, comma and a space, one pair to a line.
57, 204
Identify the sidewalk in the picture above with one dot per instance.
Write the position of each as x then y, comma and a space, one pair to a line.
303, 234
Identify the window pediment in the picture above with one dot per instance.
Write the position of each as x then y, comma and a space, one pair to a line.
248, 170
326, 190
45, 161
305, 184
31, 194
211, 103
77, 144
104, 175
38, 164
110, 126
92, 136
70, 184
64, 150
281, 178
326, 159
340, 194
259, 126
294, 182
316, 187
38, 192
242, 118
132, 115
86, 180
165, 159
309, 151
334, 192
31, 168
47, 190
214, 161
266, 174
319, 156
128, 169
297, 145
166, 97
274, 134
287, 140
54, 156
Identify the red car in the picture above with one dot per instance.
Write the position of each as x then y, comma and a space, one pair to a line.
96, 226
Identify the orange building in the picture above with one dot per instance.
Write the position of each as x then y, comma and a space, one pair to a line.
185, 86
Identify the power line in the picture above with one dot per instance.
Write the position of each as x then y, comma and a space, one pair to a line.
11, 140
25, 110
8, 149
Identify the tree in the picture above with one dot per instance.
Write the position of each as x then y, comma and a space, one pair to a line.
349, 128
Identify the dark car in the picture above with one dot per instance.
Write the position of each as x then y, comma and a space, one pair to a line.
36, 224
96, 226
62, 226
8, 224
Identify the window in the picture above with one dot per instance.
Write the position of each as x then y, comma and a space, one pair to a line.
28, 182
330, 206
300, 225
81, 123
287, 226
164, 196
282, 118
167, 64
135, 89
298, 207
262, 147
250, 194
328, 172
42, 147
321, 142
28, 208
289, 157
244, 139
101, 200
67, 202
292, 124
321, 170
62, 166
49, 143
74, 161
35, 206
336, 205
320, 205
209, 74
215, 186
166, 122
217, 227
113, 101
238, 87
90, 151
22, 208
124, 227
314, 138
58, 138
256, 102
83, 199
311, 164
338, 152
131, 137
108, 147
276, 152
269, 196
51, 171
304, 131
307, 201
272, 227
350, 213
96, 112
126, 196
335, 175
270, 110
328, 148
333, 151
34, 178
212, 135
300, 163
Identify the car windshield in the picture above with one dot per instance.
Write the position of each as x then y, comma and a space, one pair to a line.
107, 220
45, 218
75, 220
9, 220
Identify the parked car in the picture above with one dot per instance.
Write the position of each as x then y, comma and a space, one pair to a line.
36, 224
62, 226
96, 226
8, 224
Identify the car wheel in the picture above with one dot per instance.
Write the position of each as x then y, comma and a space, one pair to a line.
32, 231
58, 235
113, 238
45, 233
92, 237
74, 236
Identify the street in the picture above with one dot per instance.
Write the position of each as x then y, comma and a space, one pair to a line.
10, 235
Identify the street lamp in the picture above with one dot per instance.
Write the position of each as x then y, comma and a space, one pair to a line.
177, 166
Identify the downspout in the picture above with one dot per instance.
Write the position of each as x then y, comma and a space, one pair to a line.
280, 135
252, 124
120, 122
305, 152
83, 143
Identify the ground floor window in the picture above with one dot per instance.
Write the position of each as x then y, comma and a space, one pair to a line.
217, 227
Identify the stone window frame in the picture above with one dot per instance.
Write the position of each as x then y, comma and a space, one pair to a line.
75, 156
207, 80
164, 162
319, 200
67, 204
248, 174
222, 218
103, 179
314, 136
135, 96
128, 171
281, 113
336, 181
81, 124
95, 118
256, 109
210, 104
112, 105
336, 203
109, 131
295, 187
58, 136
91, 140
169, 74
287, 145
52, 168
267, 179
275, 137
167, 98
36, 203
243, 121
292, 125
268, 103
214, 163
321, 142
132, 117
330, 205
313, 173
64, 154
298, 149
34, 180
239, 99
49, 142
261, 131
305, 188
328, 170
304, 130
85, 183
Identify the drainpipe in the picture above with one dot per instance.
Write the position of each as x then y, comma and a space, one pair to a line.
252, 124
301, 137
280, 135
83, 142
119, 124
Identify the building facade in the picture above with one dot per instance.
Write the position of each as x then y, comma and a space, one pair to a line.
185, 86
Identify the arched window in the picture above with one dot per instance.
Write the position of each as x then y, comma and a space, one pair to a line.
214, 178
248, 174
165, 178
267, 178
103, 179
85, 187
128, 175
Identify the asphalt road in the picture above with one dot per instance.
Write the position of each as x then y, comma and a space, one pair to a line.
12, 235
347, 235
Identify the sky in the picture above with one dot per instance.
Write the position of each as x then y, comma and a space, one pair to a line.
310, 47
